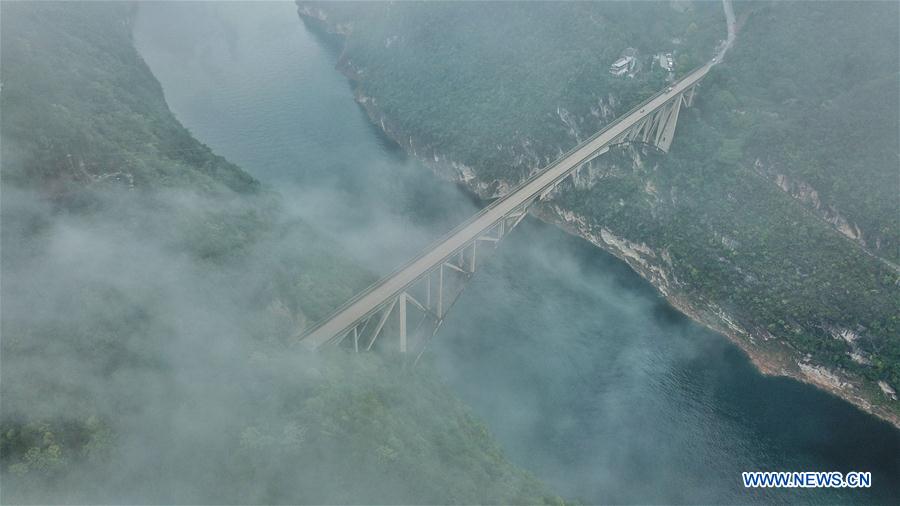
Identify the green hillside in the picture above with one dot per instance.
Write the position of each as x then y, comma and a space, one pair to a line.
775, 215
150, 289
482, 80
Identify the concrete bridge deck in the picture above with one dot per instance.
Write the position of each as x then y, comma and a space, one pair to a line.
653, 121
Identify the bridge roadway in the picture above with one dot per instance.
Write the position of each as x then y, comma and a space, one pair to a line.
371, 299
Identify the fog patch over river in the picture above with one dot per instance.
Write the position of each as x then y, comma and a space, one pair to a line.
580, 369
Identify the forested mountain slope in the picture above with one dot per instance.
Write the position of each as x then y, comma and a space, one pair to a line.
774, 216
815, 88
464, 79
149, 291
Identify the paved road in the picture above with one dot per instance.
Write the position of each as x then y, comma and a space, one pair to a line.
391, 286
731, 24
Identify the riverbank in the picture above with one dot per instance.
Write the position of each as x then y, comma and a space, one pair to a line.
769, 354
150, 285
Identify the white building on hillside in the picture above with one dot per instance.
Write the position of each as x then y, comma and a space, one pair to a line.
622, 66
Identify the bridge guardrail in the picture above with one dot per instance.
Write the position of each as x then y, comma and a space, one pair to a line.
493, 204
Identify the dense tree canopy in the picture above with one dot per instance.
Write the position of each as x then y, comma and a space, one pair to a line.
150, 292
777, 203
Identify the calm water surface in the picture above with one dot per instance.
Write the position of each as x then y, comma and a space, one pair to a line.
579, 368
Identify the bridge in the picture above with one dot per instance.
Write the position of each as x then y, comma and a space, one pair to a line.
419, 293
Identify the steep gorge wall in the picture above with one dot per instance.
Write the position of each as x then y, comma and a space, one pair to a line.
770, 354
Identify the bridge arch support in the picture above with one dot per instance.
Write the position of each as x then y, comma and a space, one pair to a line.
411, 303
406, 321
657, 128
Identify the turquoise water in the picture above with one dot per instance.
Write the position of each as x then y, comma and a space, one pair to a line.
581, 371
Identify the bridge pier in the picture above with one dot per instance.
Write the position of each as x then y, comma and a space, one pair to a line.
455, 258
402, 319
689, 96
438, 295
658, 127
440, 304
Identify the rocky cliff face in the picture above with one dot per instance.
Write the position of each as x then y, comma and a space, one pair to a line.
809, 196
770, 354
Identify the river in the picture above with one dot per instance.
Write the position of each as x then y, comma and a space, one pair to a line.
579, 368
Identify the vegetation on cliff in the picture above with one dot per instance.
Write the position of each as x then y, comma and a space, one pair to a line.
775, 212
463, 79
150, 289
